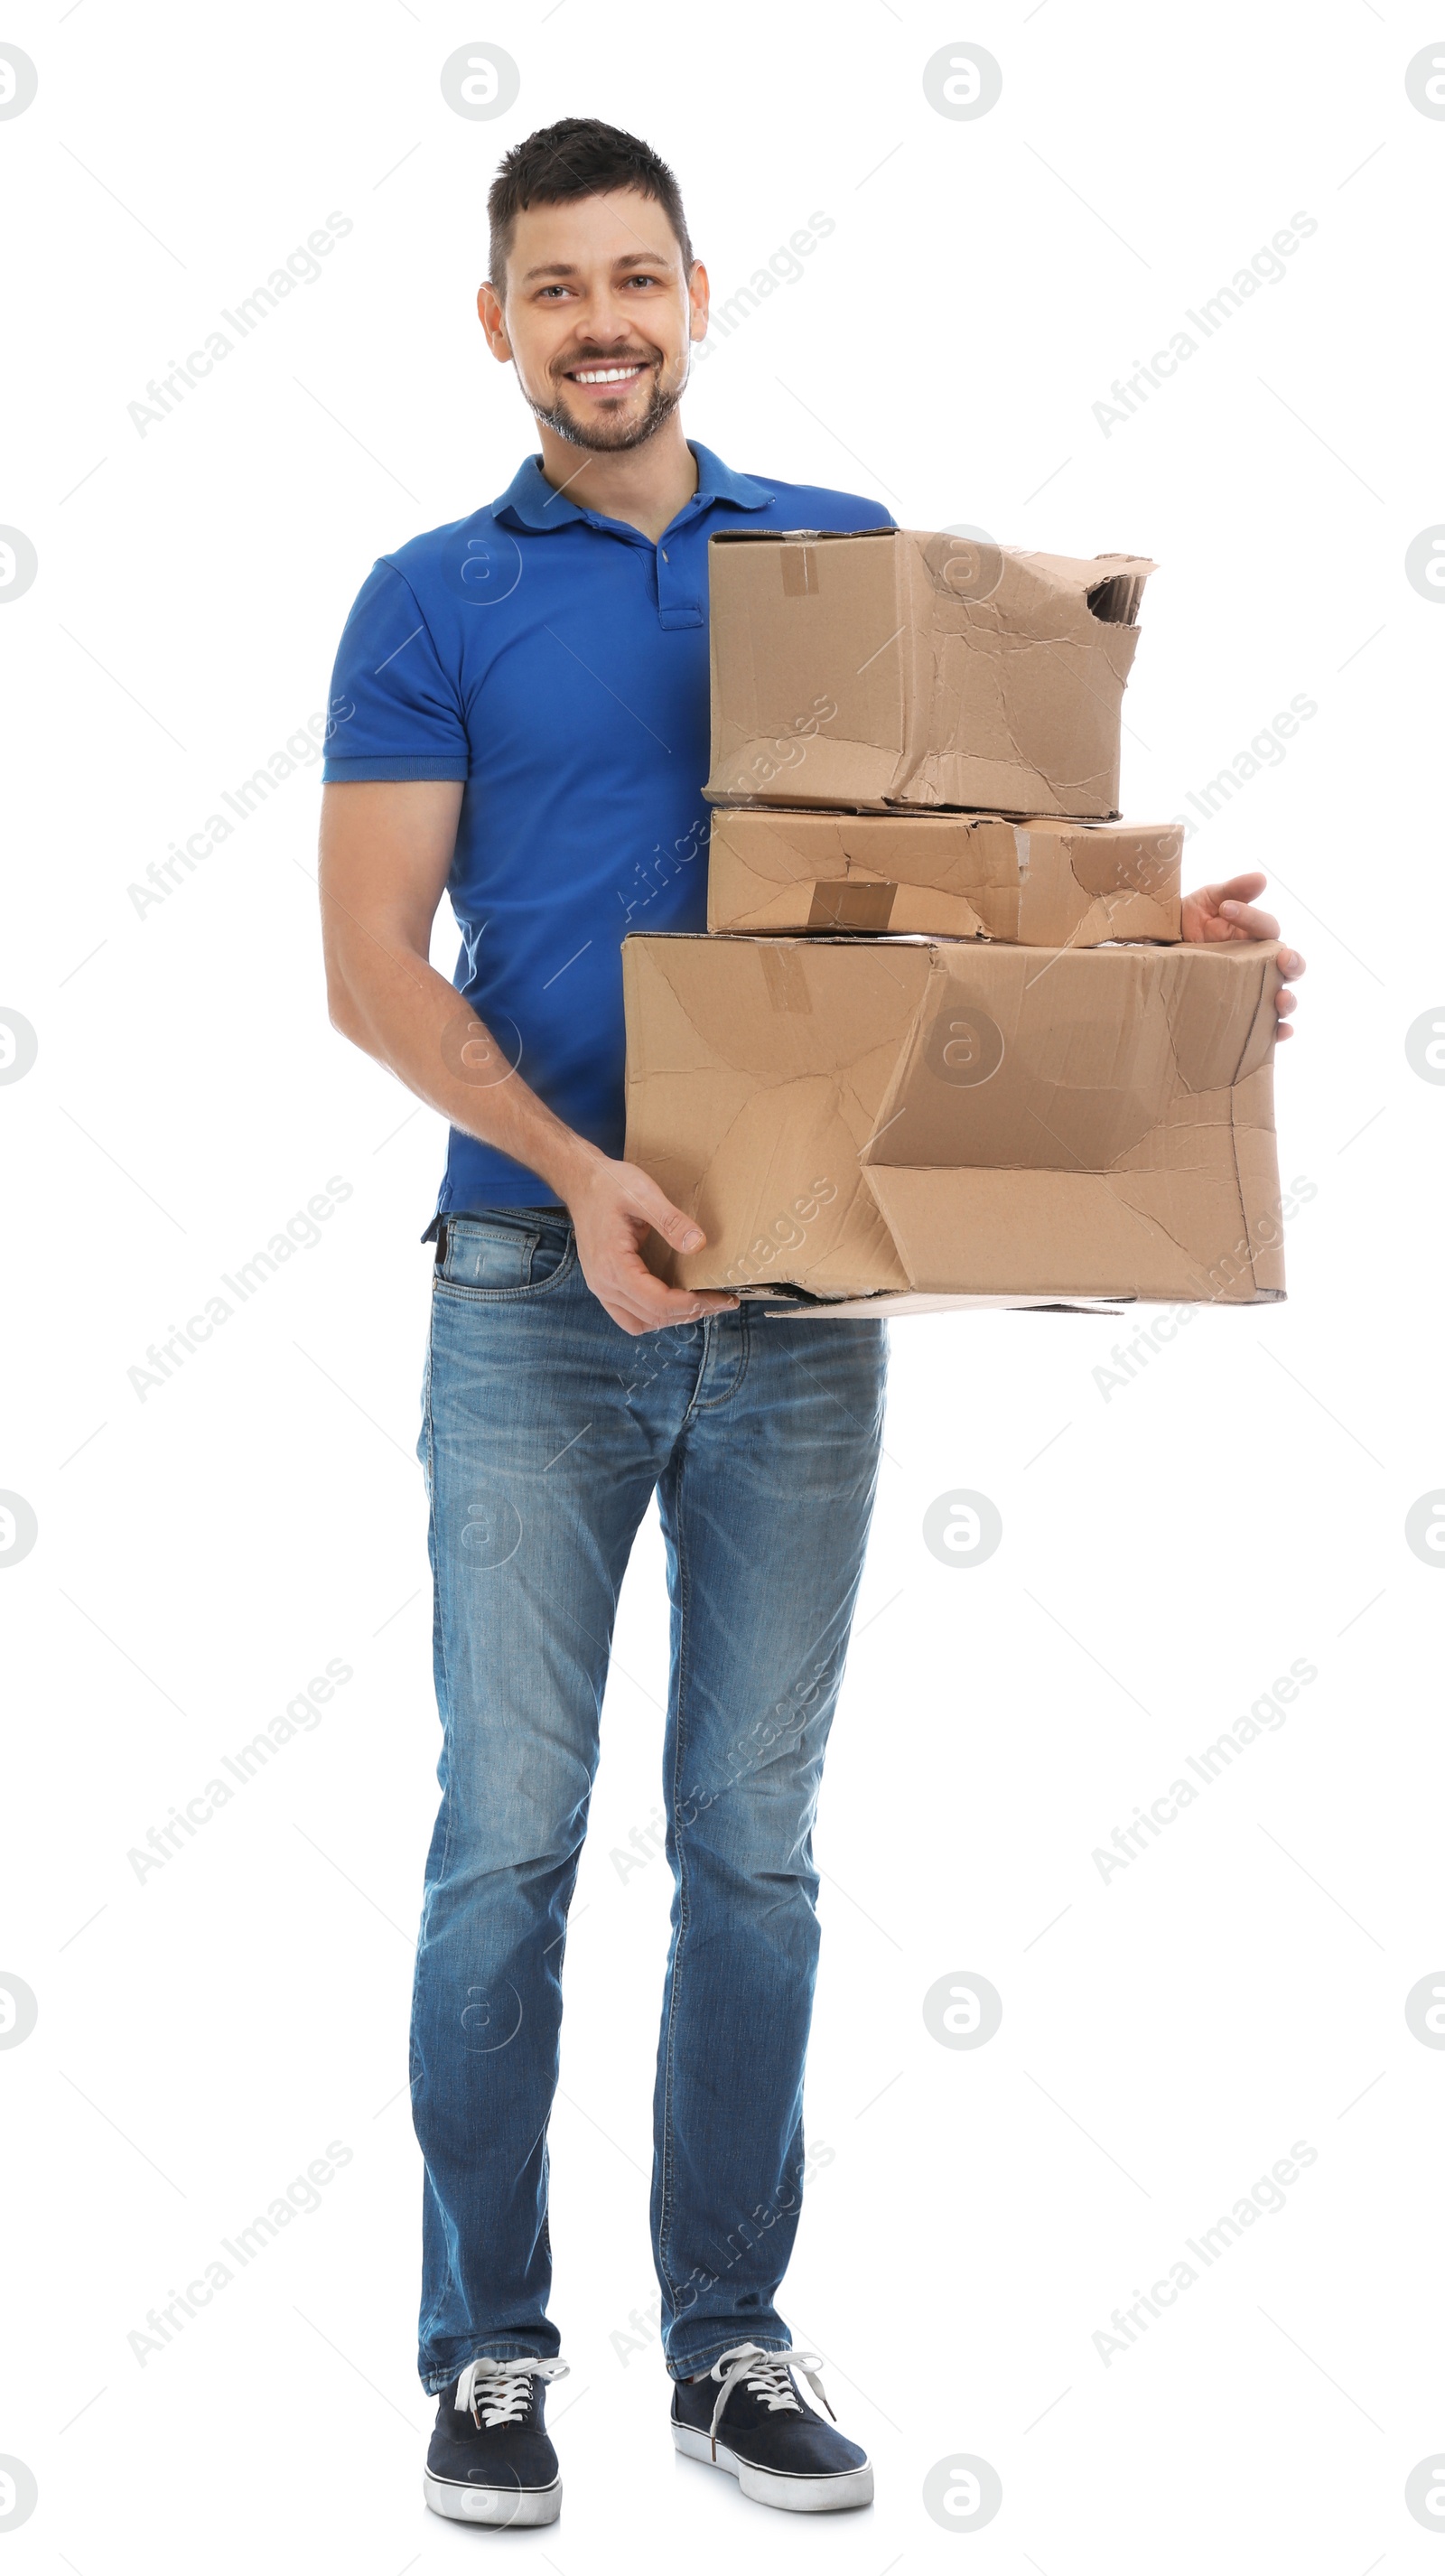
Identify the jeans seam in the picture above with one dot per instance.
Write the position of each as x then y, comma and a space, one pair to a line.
705, 1403
413, 2061
665, 2212
439, 1624
441, 1621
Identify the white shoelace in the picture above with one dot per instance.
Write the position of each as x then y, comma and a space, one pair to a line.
766, 2375
499, 2392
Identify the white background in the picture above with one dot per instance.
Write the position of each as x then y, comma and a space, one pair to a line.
1167, 1552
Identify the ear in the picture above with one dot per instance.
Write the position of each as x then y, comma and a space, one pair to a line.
698, 294
489, 314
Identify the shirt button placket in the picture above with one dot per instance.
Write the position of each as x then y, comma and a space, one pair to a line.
676, 603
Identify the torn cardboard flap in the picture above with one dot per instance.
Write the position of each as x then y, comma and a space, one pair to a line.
889, 667
1044, 882
951, 1120
751, 1113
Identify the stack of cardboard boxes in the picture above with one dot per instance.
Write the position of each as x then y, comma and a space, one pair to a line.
941, 1042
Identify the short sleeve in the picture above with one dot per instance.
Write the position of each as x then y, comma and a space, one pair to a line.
392, 712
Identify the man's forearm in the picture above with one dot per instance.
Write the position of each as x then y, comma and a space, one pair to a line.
386, 852
406, 1015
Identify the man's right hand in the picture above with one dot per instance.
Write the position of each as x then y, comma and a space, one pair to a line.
613, 1205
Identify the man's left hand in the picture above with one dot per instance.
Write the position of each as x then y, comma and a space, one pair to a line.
1229, 911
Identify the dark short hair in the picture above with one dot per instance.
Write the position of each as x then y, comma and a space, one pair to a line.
579, 156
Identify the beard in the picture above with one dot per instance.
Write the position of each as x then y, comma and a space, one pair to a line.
611, 438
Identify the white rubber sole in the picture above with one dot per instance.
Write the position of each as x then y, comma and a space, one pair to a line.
504, 2508
764, 2486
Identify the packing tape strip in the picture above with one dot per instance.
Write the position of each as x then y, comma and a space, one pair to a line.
783, 975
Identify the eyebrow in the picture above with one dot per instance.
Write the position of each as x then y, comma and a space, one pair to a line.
568, 268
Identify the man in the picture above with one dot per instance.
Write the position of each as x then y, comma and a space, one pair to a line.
520, 718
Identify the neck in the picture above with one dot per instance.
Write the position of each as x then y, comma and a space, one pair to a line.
643, 486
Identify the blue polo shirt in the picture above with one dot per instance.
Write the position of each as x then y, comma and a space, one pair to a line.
556, 662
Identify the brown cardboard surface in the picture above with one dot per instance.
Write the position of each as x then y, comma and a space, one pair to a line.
895, 668
1040, 880
954, 1120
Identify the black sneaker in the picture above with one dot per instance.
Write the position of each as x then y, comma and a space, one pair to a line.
748, 2417
490, 2459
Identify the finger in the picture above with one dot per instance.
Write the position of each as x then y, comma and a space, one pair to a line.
690, 1311
1285, 1002
630, 1319
1290, 963
1249, 922
1282, 1030
1237, 889
623, 1317
632, 1284
682, 1232
629, 1275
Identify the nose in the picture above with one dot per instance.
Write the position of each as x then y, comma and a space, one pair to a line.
606, 324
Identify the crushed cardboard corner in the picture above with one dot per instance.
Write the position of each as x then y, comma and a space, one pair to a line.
894, 668
1041, 881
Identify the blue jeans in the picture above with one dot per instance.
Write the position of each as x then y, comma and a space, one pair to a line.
546, 1431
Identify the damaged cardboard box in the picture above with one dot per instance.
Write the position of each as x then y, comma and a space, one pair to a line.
1044, 882
892, 668
916, 1122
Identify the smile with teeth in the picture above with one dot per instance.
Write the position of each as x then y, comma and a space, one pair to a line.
607, 375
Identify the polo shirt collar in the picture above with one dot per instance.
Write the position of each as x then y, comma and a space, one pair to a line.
717, 482
530, 502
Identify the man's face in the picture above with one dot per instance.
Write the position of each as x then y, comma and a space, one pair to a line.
597, 317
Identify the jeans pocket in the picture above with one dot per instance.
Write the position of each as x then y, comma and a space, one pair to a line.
504, 1252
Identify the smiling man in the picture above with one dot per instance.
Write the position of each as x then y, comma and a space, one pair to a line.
520, 720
